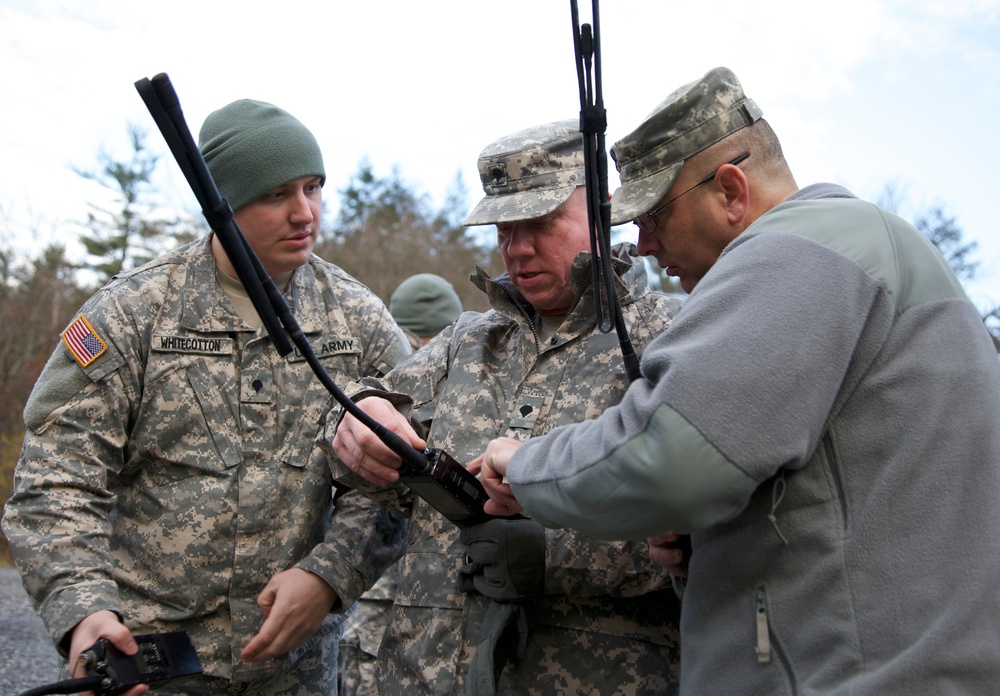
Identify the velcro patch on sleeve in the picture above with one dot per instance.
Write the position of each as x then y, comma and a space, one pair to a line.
83, 342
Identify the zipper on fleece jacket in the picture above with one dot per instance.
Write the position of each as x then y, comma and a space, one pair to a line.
831, 463
767, 646
763, 638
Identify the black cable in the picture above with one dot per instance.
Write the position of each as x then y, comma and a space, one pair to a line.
593, 124
67, 686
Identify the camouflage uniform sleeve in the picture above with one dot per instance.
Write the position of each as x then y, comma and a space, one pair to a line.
365, 537
396, 497
57, 520
385, 343
624, 569
412, 386
421, 377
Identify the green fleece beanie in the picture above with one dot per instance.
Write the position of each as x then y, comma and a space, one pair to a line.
251, 147
425, 304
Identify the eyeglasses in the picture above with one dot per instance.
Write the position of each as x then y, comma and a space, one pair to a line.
647, 221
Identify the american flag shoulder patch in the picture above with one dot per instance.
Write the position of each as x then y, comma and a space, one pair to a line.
83, 342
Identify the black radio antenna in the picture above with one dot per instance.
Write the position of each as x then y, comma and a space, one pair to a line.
593, 125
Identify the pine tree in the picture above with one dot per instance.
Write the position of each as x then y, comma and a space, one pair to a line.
136, 232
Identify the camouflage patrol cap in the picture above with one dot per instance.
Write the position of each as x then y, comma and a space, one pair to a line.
693, 117
529, 173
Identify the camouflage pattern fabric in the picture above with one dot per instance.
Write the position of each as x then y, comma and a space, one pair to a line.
171, 477
432, 302
608, 622
314, 674
361, 637
690, 119
529, 173
412, 339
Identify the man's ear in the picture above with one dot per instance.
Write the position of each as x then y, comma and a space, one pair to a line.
734, 184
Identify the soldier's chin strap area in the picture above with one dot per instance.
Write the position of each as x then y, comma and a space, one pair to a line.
593, 124
433, 474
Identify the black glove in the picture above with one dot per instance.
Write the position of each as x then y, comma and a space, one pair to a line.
503, 638
504, 559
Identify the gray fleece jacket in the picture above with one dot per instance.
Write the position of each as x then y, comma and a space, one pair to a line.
823, 416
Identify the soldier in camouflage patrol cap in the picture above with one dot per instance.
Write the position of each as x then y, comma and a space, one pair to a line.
169, 478
690, 119
821, 416
595, 617
528, 174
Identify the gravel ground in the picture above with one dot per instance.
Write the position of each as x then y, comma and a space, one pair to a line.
27, 658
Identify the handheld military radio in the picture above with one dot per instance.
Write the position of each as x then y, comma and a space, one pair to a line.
161, 658
447, 486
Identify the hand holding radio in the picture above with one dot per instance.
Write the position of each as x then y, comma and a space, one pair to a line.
101, 625
364, 452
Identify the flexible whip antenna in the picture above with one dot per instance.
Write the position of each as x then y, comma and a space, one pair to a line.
593, 125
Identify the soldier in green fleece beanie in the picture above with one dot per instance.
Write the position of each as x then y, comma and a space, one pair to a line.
251, 147
268, 166
167, 420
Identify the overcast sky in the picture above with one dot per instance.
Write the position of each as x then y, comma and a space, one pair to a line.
861, 92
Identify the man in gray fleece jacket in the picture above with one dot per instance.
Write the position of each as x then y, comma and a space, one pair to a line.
823, 417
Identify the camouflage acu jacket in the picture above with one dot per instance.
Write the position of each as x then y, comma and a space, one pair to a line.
169, 467
608, 621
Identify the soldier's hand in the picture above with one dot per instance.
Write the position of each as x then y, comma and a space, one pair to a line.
505, 559
101, 624
294, 603
491, 466
672, 551
361, 450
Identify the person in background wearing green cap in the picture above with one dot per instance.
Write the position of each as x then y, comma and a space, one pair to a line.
505, 606
423, 305
169, 479
822, 416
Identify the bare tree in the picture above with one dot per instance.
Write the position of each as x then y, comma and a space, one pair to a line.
945, 234
386, 231
943, 231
